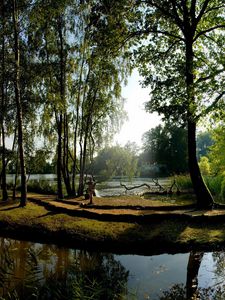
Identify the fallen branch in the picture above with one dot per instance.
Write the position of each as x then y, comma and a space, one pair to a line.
135, 187
177, 187
156, 182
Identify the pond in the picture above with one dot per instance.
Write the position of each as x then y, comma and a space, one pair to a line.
39, 271
110, 187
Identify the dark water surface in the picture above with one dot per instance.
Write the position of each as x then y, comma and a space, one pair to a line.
38, 271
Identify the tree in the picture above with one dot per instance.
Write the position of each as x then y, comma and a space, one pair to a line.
216, 151
204, 141
3, 103
116, 161
204, 165
15, 15
182, 60
80, 85
167, 145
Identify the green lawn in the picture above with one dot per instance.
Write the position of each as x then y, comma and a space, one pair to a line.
34, 218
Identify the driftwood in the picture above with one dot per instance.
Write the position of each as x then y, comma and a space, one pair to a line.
135, 187
177, 187
157, 184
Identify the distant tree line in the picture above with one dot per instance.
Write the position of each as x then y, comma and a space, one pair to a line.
164, 153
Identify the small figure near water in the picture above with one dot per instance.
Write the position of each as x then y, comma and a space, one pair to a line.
91, 189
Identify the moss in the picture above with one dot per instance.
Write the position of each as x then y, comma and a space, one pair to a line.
176, 232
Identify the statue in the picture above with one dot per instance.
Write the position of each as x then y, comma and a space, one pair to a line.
91, 189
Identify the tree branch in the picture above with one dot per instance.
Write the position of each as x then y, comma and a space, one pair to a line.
210, 76
205, 4
148, 31
214, 8
209, 108
174, 16
193, 10
208, 30
178, 20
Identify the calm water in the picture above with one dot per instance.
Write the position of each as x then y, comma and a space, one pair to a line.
38, 271
109, 188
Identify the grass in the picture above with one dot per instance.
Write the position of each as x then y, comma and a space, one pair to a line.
146, 200
36, 221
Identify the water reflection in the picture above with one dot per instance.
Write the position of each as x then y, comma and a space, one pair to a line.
36, 271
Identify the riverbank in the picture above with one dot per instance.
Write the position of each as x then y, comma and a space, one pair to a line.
67, 225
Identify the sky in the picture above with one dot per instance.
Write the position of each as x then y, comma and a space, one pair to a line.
139, 121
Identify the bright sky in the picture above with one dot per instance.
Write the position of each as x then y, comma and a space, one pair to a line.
139, 121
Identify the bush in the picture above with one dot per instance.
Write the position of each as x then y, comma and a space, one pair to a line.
216, 185
204, 166
184, 182
42, 187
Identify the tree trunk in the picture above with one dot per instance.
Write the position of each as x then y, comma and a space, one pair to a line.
16, 175
65, 167
204, 197
3, 106
59, 159
23, 199
60, 121
194, 263
4, 184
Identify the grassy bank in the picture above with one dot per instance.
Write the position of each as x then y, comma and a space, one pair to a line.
36, 223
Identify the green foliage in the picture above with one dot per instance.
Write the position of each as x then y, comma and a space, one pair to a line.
222, 191
42, 187
216, 154
184, 182
39, 162
216, 184
204, 141
116, 161
166, 146
204, 165
182, 41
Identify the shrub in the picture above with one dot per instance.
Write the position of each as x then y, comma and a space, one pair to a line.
42, 186
216, 185
184, 182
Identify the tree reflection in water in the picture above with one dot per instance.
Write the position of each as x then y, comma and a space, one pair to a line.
28, 271
192, 291
34, 271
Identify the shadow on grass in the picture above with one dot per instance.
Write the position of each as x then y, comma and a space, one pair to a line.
10, 208
50, 213
173, 236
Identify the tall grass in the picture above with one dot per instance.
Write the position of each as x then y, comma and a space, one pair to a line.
184, 182
216, 185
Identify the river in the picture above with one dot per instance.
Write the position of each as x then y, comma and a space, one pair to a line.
110, 187
39, 271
